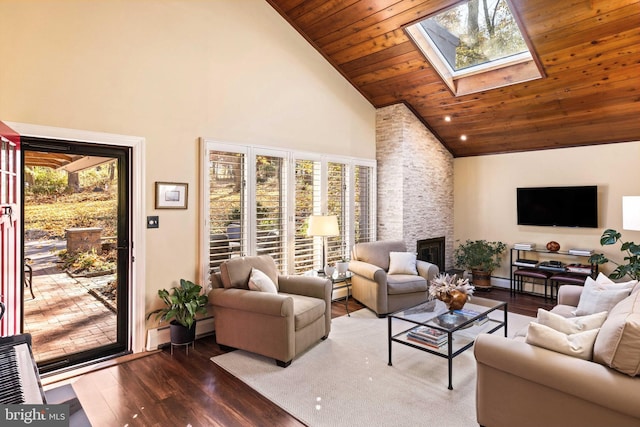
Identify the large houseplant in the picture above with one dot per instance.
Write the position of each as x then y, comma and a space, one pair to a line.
481, 258
632, 256
180, 308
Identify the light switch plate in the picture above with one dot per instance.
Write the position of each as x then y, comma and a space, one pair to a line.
153, 222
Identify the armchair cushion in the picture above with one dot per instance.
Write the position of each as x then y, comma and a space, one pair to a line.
402, 263
306, 310
405, 283
258, 281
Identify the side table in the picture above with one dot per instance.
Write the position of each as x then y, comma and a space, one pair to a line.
338, 281
342, 281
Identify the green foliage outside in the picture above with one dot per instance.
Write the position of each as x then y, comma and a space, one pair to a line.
88, 261
50, 207
487, 31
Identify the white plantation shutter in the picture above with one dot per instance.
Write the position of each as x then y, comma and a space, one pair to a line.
307, 202
337, 204
227, 212
270, 204
363, 207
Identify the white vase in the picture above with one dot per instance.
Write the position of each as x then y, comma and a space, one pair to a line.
328, 270
342, 268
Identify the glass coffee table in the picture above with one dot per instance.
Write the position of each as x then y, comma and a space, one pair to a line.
446, 333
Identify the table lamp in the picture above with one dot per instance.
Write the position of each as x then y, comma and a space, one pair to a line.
323, 226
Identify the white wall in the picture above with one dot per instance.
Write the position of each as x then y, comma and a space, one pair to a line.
485, 194
172, 71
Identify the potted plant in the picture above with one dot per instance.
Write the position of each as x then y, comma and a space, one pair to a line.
632, 251
180, 308
481, 258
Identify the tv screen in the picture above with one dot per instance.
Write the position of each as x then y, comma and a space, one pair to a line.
558, 206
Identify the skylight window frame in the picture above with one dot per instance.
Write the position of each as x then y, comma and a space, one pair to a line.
511, 70
474, 69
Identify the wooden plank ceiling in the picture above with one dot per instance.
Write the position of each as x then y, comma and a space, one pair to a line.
589, 51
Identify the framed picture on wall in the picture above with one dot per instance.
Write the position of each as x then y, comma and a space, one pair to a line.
171, 195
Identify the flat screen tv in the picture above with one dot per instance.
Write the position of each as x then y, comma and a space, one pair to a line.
558, 206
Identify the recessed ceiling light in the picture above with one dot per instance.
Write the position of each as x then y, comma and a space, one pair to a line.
447, 118
463, 137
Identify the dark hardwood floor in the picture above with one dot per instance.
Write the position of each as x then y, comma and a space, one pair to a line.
180, 390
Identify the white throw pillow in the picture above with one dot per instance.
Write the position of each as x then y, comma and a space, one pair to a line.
603, 281
618, 343
571, 325
598, 297
578, 345
259, 281
402, 263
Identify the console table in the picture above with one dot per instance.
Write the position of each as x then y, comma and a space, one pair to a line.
528, 263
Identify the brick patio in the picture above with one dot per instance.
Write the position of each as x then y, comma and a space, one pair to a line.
63, 318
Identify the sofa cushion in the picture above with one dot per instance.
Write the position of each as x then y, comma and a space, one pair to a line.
258, 281
578, 345
618, 343
306, 310
405, 284
563, 310
571, 325
235, 272
601, 295
402, 263
377, 253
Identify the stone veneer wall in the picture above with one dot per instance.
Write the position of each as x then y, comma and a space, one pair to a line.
415, 181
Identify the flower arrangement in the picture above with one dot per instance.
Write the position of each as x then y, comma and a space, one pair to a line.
452, 291
444, 284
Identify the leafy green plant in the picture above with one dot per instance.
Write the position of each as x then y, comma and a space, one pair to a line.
632, 256
479, 255
181, 304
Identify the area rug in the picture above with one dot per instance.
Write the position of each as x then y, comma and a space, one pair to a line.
345, 380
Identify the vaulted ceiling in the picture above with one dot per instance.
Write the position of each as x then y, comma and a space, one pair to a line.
589, 51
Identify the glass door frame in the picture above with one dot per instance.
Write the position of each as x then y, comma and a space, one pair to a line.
136, 310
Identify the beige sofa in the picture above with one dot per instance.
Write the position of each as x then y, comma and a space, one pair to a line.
382, 292
523, 385
277, 324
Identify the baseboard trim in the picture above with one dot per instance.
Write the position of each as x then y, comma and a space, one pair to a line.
159, 337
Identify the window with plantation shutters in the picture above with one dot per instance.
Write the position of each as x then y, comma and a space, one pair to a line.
307, 202
258, 201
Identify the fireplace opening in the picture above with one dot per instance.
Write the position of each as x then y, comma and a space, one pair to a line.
432, 250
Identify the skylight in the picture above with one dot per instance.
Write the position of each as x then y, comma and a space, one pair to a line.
473, 37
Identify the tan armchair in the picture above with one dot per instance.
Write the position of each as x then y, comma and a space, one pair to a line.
278, 325
382, 292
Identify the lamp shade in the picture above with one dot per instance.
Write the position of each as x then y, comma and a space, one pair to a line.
323, 225
631, 213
